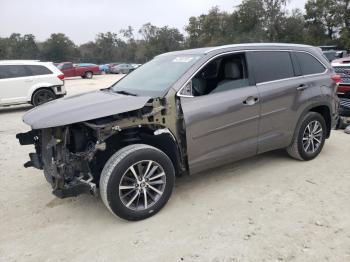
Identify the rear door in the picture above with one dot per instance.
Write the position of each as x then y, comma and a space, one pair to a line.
282, 92
221, 126
15, 82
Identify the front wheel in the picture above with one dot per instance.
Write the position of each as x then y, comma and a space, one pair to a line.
309, 137
137, 182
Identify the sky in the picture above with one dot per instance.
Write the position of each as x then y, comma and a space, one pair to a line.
81, 20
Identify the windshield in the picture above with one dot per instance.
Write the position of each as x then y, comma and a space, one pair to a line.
156, 76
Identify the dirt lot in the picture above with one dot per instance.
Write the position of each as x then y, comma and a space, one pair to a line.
268, 208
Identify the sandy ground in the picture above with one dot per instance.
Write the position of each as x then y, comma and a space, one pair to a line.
267, 208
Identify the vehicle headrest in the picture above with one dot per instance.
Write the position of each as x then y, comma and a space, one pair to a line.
232, 71
210, 71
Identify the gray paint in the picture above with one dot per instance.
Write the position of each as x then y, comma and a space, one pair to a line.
82, 107
220, 129
211, 52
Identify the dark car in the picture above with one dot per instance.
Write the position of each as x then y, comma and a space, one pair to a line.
182, 113
344, 113
122, 69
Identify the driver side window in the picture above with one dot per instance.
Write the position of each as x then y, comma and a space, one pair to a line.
222, 74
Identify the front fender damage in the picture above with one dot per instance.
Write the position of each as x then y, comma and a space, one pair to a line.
69, 155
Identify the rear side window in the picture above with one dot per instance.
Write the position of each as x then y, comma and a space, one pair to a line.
38, 70
66, 66
12, 71
309, 65
271, 65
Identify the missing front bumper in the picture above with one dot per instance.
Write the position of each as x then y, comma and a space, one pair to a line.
75, 189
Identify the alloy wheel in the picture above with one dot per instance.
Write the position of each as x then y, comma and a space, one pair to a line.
142, 185
312, 137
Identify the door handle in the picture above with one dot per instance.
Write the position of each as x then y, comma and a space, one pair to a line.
251, 100
302, 87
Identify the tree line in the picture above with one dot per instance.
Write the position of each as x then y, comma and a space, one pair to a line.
322, 22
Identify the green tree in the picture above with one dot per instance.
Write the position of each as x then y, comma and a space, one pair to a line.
19, 47
323, 17
292, 28
157, 40
59, 48
344, 14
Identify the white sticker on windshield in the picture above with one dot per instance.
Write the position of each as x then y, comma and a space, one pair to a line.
183, 59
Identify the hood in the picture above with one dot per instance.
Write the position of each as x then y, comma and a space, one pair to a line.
82, 107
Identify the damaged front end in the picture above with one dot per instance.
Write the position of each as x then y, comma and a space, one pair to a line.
64, 158
72, 156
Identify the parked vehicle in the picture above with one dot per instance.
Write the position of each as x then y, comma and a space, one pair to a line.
29, 82
70, 70
104, 69
332, 55
342, 68
344, 113
182, 113
122, 69
135, 65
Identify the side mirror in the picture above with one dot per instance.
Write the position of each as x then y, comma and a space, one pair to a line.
187, 90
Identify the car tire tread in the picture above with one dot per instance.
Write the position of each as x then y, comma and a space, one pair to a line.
109, 168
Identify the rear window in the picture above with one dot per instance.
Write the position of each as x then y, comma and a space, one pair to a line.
12, 71
309, 65
271, 65
38, 70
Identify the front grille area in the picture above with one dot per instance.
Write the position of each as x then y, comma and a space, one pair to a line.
344, 72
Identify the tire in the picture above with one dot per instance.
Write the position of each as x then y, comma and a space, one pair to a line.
88, 75
347, 129
129, 202
42, 96
298, 149
341, 124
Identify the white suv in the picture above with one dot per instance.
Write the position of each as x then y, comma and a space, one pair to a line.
29, 82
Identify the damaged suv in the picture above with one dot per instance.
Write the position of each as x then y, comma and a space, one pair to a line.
183, 112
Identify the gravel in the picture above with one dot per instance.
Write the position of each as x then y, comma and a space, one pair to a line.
266, 208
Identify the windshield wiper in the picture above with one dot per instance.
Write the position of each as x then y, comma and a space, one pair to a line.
126, 93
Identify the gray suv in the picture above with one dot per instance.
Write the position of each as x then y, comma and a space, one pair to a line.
182, 113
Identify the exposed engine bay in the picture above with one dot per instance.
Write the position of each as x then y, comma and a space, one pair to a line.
73, 156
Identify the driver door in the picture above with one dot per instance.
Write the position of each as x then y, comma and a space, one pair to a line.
222, 126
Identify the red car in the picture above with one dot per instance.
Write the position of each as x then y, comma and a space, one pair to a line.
342, 68
69, 70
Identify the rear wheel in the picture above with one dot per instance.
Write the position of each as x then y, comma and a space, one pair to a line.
42, 96
137, 182
309, 137
88, 75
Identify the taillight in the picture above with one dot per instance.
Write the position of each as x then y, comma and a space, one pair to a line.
336, 78
61, 77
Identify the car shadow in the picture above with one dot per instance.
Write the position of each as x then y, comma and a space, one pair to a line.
14, 109
233, 169
94, 207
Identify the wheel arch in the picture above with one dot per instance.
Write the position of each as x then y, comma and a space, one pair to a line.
35, 88
160, 138
323, 109
51, 88
325, 112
